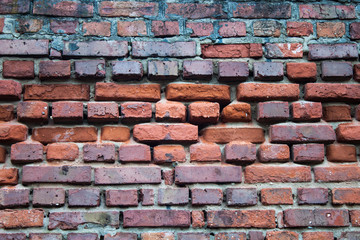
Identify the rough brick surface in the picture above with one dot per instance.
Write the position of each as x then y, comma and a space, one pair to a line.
241, 196
252, 50
312, 196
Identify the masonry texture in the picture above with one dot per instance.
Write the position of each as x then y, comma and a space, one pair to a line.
179, 120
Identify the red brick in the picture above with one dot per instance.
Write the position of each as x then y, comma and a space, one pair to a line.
348, 196
301, 133
169, 154
207, 196
354, 30
306, 111
299, 29
10, 90
48, 197
127, 175
166, 133
284, 50
267, 28
336, 71
205, 152
83, 197
204, 112
33, 111
241, 218
72, 220
103, 112
282, 235
45, 236
9, 176
99, 152
18, 69
163, 49
337, 113
162, 70
274, 153
197, 69
21, 218
127, 70
63, 9
121, 198
243, 50
232, 29
348, 132
131, 29
337, 173
195, 10
10, 133
322, 11
256, 235
115, 133
63, 134
200, 29
82, 236
3, 154
312, 196
26, 152
263, 10
67, 112
318, 235
13, 236
146, 197
273, 111
128, 9
198, 221
157, 236
134, 153
189, 236
341, 153
24, 47
49, 70
9, 7
127, 92
233, 71
97, 29
330, 29
236, 112
136, 112
262, 173
267, 92
225, 134
173, 196
276, 196
169, 111
355, 218
207, 174
28, 25
96, 49
63, 27
165, 28
6, 112
2, 24
57, 92
308, 153
241, 197
240, 152
332, 51
10, 198
357, 72
62, 152
90, 69
156, 218
169, 177
316, 218
229, 236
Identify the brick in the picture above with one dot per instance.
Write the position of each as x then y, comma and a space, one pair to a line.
28, 25
316, 218
26, 152
225, 134
240, 152
56, 174
63, 9
228, 236
322, 11
233, 71
163, 49
24, 47
2, 24
244, 50
276, 196
169, 111
146, 197
121, 236
121, 198
282, 235
308, 153
348, 132
262, 10
337, 113
10, 133
232, 29
127, 92
318, 235
301, 133
345, 196
241, 197
13, 236
341, 153
197, 220
72, 220
166, 133
336, 71
127, 175
115, 133
6, 112
134, 153
207, 196
301, 72
18, 69
82, 236
268, 71
256, 235
33, 111
9, 176
162, 70
173, 196
306, 111
205, 152
45, 236
127, 70
284, 50
357, 112
128, 9
272, 111
267, 92
355, 217
165, 28
103, 112
197, 69
299, 29
10, 90
312, 196
241, 218
57, 92
236, 112
194, 10
189, 236
203, 112
63, 27
262, 173
267, 28
95, 49
3, 154
349, 235
131, 29
62, 152
48, 197
274, 153
337, 173
64, 134
156, 218
354, 30
9, 7
357, 72
169, 154
67, 112
10, 198
332, 51
99, 152
330, 29
90, 69
200, 29
157, 236
97, 29
169, 177
136, 111
207, 174
84, 197
21, 218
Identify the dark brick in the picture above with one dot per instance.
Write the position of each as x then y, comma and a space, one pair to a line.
128, 9
207, 196
190, 236
82, 236
121, 198
242, 50
63, 27
7, 112
48, 197
96, 152
233, 71
90, 69
308, 153
323, 11
263, 10
57, 92
306, 111
274, 153
195, 10
173, 196
45, 236
28, 25
63, 8
156, 218
95, 49
10, 7
26, 152
197, 69
273, 112
163, 49
165, 28
332, 51
240, 152
268, 71
316, 218
18, 69
10, 90
241, 197
10, 198
121, 236
341, 153
136, 112
337, 113
312, 196
162, 70
67, 112
354, 30
103, 112
229, 236
134, 153
336, 71
127, 70
84, 197
267, 28
277, 235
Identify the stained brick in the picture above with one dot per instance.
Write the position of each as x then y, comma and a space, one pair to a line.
203, 112
134, 153
284, 50
82, 236
341, 153
121, 198
147, 197
162, 70
165, 28
299, 29
240, 152
308, 153
127, 92
282, 235
273, 111
67, 112
90, 69
99, 152
9, 176
10, 133
232, 29
197, 69
7, 112
28, 25
157, 235
236, 112
121, 236
103, 112
45, 236
306, 111
127, 70
205, 152
332, 51
276, 196
233, 235
267, 92
63, 27
334, 113
10, 90
312, 196
318, 235
244, 50
225, 134
173, 196
330, 29
26, 152
267, 28
346, 196
57, 92
337, 173
95, 49
163, 49
355, 217
323, 11
18, 69
9, 7
97, 29
156, 218
316, 218
32, 111
233, 71
62, 134
336, 71
197, 220
24, 47
63, 8
200, 29
189, 236
48, 197
115, 133
274, 153
207, 196
195, 10
169, 111
84, 197
241, 197
13, 236
169, 154
10, 198
2, 24
354, 30
3, 154
128, 9
21, 218
131, 29
263, 10
348, 132
268, 71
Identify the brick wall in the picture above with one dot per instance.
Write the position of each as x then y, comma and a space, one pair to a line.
124, 120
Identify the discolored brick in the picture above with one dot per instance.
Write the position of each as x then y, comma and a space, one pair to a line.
205, 152
156, 218
54, 70
103, 112
97, 29
18, 69
99, 152
274, 153
57, 92
127, 70
330, 29
47, 135
169, 111
337, 113
310, 196
242, 50
67, 112
207, 196
134, 153
48, 197
165, 28
284, 50
26, 152
233, 71
306, 111
121, 198
241, 197
267, 28
276, 196
162, 70
131, 29
33, 111
240, 152
84, 197
272, 111
90, 69
197, 69
173, 196
225, 134
136, 111
200, 29
336, 71
308, 153
7, 112
299, 29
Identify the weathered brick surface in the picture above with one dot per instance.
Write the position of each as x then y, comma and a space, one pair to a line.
128, 9
57, 92
33, 111
10, 133
121, 198
301, 71
312, 196
332, 51
225, 134
83, 197
156, 218
10, 90
64, 134
24, 47
163, 49
252, 50
14, 198
96, 49
6, 112
18, 69
195, 11
316, 218
274, 153
127, 70
48, 197
21, 218
340, 173
241, 196
25, 152
122, 92
267, 91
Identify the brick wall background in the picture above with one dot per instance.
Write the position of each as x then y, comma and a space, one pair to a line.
229, 120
